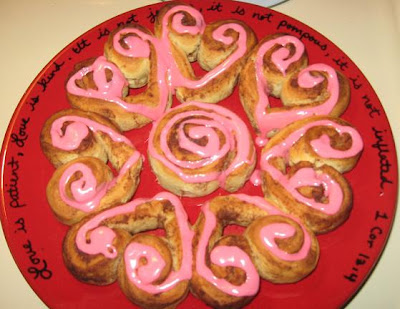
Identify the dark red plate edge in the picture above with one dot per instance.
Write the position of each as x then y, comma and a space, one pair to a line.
19, 106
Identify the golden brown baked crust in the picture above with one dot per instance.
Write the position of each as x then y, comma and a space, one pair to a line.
294, 95
129, 227
211, 54
186, 42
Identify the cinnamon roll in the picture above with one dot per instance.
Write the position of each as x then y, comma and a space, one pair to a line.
196, 148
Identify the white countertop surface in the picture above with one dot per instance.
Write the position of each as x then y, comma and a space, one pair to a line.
368, 31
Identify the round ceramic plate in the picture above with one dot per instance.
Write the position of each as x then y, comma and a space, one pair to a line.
348, 254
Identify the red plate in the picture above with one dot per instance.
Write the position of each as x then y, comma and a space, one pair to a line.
348, 254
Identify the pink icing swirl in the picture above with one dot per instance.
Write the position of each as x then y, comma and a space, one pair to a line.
177, 23
234, 256
101, 239
87, 195
271, 232
77, 130
210, 118
308, 176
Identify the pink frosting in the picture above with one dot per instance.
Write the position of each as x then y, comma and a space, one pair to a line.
220, 118
148, 273
271, 232
234, 256
168, 74
86, 194
77, 130
308, 176
101, 239
137, 47
255, 178
282, 61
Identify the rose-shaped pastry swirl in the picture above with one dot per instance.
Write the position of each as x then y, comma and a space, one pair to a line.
197, 147
274, 246
301, 170
277, 67
79, 144
152, 271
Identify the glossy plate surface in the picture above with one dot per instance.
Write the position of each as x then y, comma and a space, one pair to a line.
348, 254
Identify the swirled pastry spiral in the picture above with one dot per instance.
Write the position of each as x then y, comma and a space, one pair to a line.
227, 268
301, 170
152, 271
196, 148
79, 144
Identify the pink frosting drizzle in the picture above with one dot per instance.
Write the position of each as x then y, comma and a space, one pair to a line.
101, 238
168, 74
149, 272
270, 232
77, 130
268, 120
218, 118
256, 178
87, 196
178, 80
234, 256
308, 176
